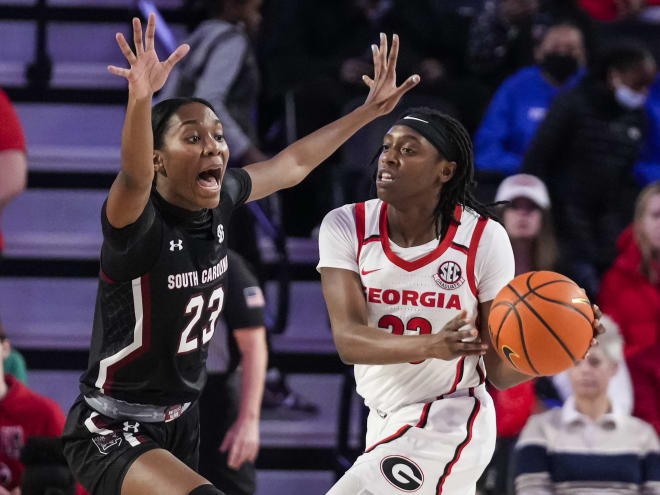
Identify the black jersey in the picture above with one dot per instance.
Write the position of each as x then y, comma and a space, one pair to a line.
161, 291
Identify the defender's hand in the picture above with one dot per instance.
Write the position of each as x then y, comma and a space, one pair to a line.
384, 94
147, 74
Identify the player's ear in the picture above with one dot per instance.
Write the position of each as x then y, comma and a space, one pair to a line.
159, 166
447, 170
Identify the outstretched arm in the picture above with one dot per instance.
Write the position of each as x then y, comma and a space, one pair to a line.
130, 190
293, 164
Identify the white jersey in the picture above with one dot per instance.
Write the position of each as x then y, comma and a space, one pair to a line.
417, 290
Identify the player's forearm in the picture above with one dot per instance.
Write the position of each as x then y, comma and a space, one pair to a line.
308, 152
499, 374
137, 144
361, 344
252, 344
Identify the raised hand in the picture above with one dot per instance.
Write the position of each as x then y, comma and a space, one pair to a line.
147, 74
384, 94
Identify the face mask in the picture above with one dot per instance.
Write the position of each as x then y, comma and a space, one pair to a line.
628, 98
559, 67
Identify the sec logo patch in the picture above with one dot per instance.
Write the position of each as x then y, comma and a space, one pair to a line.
402, 473
449, 276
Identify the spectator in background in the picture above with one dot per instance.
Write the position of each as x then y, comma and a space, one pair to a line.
647, 169
585, 151
526, 218
612, 10
521, 102
13, 363
630, 291
13, 162
503, 36
23, 414
587, 446
229, 407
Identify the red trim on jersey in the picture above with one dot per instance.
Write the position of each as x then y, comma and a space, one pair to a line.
425, 260
459, 247
396, 435
458, 378
472, 253
359, 228
105, 278
482, 374
460, 446
399, 433
425, 415
145, 287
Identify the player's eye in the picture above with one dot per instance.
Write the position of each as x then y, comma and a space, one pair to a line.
385, 147
193, 139
219, 137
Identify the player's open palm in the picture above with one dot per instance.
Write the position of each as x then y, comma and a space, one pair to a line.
455, 341
147, 74
384, 94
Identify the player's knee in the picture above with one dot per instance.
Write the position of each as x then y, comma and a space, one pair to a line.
206, 490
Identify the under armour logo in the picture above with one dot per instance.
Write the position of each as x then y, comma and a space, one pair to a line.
178, 244
131, 427
221, 233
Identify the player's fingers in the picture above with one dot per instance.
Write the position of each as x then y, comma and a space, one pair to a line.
598, 314
466, 335
393, 56
471, 348
178, 54
376, 56
125, 48
118, 71
226, 443
137, 36
407, 85
456, 322
368, 81
151, 32
383, 53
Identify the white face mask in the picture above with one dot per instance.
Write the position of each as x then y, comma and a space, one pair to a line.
628, 98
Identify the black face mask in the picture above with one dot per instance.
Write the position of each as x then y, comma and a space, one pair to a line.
559, 67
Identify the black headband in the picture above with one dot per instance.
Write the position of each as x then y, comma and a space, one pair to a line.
436, 136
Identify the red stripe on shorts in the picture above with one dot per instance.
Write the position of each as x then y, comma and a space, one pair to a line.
460, 446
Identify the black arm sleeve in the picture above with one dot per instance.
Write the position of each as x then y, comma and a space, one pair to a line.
244, 305
130, 251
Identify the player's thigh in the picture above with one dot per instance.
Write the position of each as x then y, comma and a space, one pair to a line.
158, 471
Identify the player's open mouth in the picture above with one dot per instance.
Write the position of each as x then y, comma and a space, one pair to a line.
210, 178
384, 177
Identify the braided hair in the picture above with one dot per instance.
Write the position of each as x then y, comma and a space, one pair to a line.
454, 144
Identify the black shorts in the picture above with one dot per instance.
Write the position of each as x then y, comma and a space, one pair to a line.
100, 450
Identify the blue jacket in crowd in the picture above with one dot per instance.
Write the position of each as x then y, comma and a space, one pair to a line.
517, 108
648, 167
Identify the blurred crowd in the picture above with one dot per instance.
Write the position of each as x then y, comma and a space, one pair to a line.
562, 98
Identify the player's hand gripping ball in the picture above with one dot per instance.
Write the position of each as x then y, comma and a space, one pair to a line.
541, 323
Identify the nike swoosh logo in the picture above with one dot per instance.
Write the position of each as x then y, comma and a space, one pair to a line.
367, 272
508, 352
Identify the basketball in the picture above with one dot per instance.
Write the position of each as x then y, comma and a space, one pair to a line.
541, 323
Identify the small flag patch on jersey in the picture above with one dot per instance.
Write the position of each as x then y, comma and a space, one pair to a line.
254, 298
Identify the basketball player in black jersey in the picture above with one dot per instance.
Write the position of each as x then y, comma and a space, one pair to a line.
134, 429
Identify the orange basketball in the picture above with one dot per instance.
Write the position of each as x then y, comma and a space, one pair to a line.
541, 323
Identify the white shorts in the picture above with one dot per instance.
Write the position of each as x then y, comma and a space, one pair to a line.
440, 447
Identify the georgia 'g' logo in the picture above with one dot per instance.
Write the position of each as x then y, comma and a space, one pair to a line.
449, 276
402, 473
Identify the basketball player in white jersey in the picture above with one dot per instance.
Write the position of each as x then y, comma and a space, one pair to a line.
408, 279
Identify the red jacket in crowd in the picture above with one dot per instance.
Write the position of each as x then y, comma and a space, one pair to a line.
607, 10
23, 414
630, 299
513, 407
